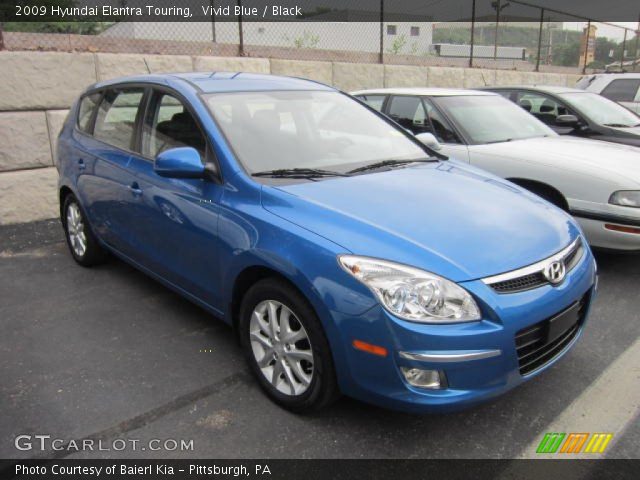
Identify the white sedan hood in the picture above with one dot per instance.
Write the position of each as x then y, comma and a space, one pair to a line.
617, 162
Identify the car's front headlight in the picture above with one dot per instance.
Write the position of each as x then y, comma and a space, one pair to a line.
626, 198
413, 294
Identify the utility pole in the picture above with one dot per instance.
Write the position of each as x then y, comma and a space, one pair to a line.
381, 54
624, 47
497, 4
540, 40
473, 27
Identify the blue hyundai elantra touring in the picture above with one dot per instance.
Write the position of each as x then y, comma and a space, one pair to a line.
348, 257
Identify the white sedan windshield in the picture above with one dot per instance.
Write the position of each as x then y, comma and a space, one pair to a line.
306, 129
491, 118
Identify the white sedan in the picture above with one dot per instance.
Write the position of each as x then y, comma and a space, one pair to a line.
597, 182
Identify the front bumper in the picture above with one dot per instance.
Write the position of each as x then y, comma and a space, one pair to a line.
593, 225
479, 359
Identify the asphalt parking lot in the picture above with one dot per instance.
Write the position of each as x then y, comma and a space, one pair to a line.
108, 353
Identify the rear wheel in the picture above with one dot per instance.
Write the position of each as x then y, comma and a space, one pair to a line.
83, 245
286, 348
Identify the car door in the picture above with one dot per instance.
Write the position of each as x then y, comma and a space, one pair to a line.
176, 219
418, 115
625, 91
107, 187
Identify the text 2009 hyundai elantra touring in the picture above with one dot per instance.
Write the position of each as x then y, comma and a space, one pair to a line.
348, 257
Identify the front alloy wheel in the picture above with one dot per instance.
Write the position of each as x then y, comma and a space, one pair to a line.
286, 347
281, 347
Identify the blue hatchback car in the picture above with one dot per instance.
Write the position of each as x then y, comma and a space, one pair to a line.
348, 257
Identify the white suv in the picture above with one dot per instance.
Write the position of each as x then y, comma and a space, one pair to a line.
623, 88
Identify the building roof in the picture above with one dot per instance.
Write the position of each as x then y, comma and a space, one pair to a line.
426, 92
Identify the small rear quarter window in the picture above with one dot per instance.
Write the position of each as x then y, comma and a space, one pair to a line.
88, 105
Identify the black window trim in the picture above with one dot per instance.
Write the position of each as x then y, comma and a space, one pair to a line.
148, 88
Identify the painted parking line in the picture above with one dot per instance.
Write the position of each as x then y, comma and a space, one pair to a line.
591, 424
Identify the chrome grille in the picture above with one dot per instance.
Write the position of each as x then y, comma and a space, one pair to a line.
532, 276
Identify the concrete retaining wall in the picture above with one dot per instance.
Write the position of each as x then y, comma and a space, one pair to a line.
37, 89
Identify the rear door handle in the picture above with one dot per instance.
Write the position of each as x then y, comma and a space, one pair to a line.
135, 189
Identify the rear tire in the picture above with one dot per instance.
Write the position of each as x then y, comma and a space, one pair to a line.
83, 245
286, 348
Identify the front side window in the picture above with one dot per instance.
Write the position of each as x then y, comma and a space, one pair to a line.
409, 112
622, 89
86, 110
544, 108
601, 110
490, 118
170, 125
306, 129
440, 127
116, 118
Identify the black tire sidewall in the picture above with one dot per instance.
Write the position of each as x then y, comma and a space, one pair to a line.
323, 386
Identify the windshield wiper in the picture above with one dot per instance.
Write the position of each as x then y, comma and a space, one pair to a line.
620, 125
504, 140
389, 163
298, 173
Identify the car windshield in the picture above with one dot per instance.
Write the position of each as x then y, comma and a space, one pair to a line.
306, 129
601, 110
491, 118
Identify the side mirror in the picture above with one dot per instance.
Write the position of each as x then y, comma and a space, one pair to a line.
181, 162
429, 140
567, 120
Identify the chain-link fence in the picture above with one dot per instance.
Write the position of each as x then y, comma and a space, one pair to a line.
503, 34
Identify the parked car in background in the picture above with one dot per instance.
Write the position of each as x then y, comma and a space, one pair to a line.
569, 111
348, 256
597, 182
623, 88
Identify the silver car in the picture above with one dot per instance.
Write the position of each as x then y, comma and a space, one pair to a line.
623, 88
597, 182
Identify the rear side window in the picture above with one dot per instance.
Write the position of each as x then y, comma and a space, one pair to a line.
116, 118
622, 90
88, 105
374, 101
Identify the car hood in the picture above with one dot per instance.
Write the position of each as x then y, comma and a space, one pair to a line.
571, 153
450, 219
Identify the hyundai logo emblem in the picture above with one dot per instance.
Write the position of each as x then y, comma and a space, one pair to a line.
555, 272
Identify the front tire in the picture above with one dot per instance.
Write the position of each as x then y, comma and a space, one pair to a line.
285, 346
83, 245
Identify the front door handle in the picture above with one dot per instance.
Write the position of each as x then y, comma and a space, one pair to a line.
81, 164
135, 189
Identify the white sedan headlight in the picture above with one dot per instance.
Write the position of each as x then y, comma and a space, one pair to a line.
626, 198
413, 294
